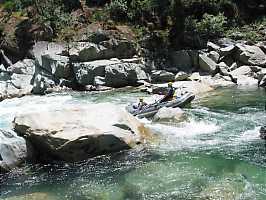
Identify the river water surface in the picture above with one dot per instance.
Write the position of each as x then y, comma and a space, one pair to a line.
217, 154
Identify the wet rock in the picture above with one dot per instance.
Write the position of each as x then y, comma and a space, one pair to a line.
78, 133
263, 132
170, 115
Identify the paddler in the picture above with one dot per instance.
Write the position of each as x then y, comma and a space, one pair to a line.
141, 104
170, 91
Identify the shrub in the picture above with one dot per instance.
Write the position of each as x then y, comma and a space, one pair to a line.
117, 9
211, 26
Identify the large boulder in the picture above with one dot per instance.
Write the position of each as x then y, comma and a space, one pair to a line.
86, 51
85, 72
162, 76
78, 133
250, 55
14, 150
121, 75
26, 66
263, 132
42, 83
181, 60
58, 66
207, 64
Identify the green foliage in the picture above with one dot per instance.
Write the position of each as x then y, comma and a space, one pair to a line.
249, 32
98, 15
2, 27
16, 5
139, 9
55, 11
117, 9
211, 26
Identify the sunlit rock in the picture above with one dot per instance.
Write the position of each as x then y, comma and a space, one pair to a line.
170, 115
162, 76
250, 55
78, 133
14, 150
207, 64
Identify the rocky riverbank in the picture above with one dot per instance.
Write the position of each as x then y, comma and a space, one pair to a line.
110, 63
107, 64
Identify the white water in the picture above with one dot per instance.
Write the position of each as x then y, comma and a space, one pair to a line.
218, 152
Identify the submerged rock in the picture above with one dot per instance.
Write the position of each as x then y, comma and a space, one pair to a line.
230, 186
78, 133
263, 132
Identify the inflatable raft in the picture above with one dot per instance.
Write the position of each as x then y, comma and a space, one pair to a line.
152, 109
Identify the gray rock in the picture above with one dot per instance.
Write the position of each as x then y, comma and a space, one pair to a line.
223, 68
4, 59
263, 132
78, 133
86, 51
214, 56
58, 66
224, 42
180, 76
170, 115
162, 76
250, 55
121, 75
181, 60
194, 55
85, 72
226, 50
14, 150
42, 83
207, 64
213, 46
4, 76
243, 70
26, 66
246, 80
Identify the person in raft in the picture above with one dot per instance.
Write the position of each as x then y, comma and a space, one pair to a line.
170, 91
141, 104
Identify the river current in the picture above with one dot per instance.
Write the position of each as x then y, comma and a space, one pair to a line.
217, 154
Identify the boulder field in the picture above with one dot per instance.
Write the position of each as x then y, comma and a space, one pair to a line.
54, 67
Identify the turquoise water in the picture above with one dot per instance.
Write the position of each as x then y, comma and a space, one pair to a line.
217, 154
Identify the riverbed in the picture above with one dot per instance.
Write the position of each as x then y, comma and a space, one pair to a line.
216, 154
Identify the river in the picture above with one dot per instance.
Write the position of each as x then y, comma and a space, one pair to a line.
217, 154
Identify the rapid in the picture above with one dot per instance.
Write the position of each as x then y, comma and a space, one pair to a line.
216, 154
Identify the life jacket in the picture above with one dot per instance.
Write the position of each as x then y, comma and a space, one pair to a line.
141, 104
171, 91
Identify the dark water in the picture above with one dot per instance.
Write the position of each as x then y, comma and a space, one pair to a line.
216, 155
